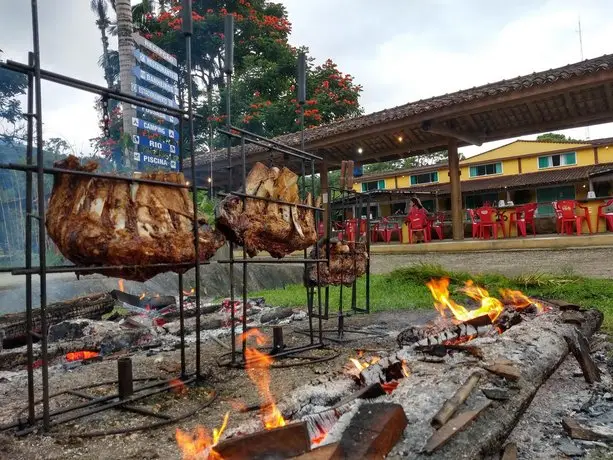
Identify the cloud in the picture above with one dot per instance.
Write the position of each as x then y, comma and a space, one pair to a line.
399, 51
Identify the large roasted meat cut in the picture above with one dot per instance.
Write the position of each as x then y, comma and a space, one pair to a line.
95, 221
260, 225
347, 263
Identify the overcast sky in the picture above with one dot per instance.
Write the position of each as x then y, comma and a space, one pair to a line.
399, 50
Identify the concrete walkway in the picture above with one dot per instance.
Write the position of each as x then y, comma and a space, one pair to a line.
591, 263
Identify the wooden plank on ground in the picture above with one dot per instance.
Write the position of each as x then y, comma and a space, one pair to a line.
283, 442
373, 431
452, 427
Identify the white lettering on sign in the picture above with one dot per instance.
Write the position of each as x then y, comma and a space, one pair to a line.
154, 48
155, 145
155, 160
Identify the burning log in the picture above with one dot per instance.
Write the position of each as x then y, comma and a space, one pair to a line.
260, 225
282, 442
372, 391
386, 370
91, 307
347, 263
452, 427
96, 221
578, 345
453, 403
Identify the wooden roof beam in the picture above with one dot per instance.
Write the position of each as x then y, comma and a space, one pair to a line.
442, 130
608, 92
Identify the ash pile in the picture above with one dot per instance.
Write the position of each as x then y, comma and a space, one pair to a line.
104, 325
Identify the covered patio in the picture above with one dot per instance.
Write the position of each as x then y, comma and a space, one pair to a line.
576, 95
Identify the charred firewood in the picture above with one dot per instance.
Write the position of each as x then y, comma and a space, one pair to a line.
580, 349
13, 325
95, 221
347, 263
261, 225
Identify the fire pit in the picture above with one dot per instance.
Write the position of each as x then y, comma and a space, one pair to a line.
459, 384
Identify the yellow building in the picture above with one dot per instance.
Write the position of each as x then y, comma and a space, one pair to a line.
519, 172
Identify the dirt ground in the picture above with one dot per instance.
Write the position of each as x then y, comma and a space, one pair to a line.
232, 387
591, 263
536, 435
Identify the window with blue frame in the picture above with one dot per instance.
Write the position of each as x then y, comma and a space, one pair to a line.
562, 159
549, 194
485, 170
426, 178
373, 185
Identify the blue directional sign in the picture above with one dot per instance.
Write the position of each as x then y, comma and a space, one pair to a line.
156, 145
146, 76
148, 159
166, 132
152, 95
153, 113
155, 65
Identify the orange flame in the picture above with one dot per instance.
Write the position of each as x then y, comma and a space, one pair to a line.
198, 445
79, 355
405, 369
361, 365
142, 296
440, 291
258, 369
121, 286
519, 299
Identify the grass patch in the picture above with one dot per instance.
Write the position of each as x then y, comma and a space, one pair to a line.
405, 289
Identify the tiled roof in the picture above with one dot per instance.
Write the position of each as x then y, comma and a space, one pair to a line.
517, 181
432, 105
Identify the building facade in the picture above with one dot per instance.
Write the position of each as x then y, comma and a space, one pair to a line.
519, 172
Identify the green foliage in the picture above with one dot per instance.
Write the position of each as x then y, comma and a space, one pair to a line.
206, 206
12, 126
263, 90
405, 288
554, 137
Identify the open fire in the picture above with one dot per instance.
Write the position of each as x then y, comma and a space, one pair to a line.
488, 305
199, 445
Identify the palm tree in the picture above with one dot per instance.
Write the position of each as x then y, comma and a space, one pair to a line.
126, 62
103, 22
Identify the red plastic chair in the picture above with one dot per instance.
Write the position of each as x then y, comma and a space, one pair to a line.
488, 221
437, 224
418, 222
351, 228
607, 216
475, 222
521, 217
568, 216
389, 228
320, 229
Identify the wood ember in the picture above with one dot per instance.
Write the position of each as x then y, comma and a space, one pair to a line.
580, 349
372, 432
453, 403
371, 391
283, 442
386, 370
92, 307
576, 431
422, 337
347, 263
452, 427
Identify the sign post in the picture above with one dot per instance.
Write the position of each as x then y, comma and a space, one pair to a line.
156, 143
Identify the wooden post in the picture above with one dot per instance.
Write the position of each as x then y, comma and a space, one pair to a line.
325, 193
457, 218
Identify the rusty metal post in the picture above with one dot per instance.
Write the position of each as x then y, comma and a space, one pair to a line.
457, 213
325, 192
277, 339
125, 383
